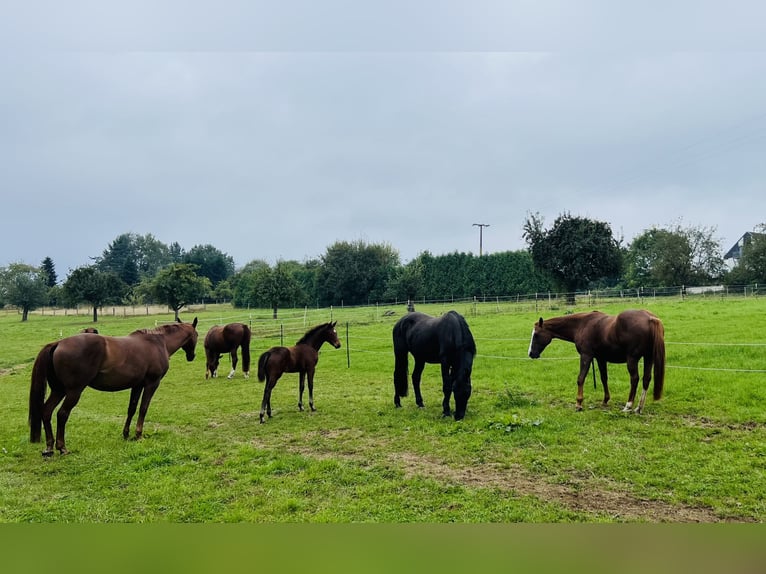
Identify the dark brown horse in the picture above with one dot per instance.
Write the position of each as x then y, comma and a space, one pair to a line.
625, 338
301, 358
137, 362
227, 339
90, 330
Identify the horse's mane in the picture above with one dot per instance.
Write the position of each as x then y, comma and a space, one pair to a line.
311, 332
159, 330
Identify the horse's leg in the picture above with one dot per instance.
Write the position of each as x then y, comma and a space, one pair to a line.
301, 385
70, 401
234, 360
585, 362
446, 388
135, 394
146, 398
633, 371
602, 370
417, 371
310, 376
648, 364
266, 402
50, 405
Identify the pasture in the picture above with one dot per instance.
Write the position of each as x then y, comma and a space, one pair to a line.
522, 453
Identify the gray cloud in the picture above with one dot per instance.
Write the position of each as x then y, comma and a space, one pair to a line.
273, 154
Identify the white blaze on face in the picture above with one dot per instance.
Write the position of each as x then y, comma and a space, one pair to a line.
530, 341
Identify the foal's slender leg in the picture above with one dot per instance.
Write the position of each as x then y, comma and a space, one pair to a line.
266, 402
602, 370
234, 360
50, 405
648, 363
632, 364
310, 375
146, 398
301, 385
417, 371
70, 401
446, 388
135, 394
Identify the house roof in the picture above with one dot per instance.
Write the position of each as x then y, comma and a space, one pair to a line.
736, 250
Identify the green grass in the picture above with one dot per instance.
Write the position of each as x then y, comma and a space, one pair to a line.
521, 455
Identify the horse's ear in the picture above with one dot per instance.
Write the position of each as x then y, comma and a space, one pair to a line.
333, 324
540, 322
194, 323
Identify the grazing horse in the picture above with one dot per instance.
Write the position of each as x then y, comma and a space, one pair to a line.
624, 338
301, 358
445, 340
137, 362
227, 339
90, 330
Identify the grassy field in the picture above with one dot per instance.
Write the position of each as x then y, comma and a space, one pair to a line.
522, 454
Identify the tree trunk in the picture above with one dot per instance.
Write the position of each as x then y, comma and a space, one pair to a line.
274, 309
95, 314
24, 314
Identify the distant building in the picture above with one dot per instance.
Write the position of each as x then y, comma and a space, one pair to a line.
732, 255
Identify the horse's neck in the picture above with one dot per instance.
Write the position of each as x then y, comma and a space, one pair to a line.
564, 328
174, 340
314, 342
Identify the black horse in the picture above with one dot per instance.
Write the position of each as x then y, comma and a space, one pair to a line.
445, 340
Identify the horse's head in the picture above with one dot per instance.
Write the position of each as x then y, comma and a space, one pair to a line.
461, 387
213, 358
331, 335
190, 345
541, 338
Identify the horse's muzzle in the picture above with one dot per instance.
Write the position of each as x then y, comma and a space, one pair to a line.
534, 355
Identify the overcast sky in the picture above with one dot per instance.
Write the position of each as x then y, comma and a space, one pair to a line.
272, 130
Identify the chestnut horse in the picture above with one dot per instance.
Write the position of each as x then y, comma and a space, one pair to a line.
444, 340
624, 338
227, 339
137, 362
301, 358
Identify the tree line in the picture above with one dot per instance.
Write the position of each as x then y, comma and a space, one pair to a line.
572, 254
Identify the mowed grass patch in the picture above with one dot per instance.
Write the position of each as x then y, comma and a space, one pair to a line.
522, 453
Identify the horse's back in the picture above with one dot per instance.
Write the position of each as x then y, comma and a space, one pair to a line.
131, 359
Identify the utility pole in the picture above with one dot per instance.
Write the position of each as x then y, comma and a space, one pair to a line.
481, 227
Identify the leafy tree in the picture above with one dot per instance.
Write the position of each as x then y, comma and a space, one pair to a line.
355, 273
95, 287
210, 262
178, 285
223, 291
575, 251
133, 256
267, 287
406, 282
672, 257
24, 286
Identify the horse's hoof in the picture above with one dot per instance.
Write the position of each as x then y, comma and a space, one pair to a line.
578, 409
47, 453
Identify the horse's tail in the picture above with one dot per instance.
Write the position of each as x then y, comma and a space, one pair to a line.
401, 360
42, 366
246, 348
658, 332
264, 358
